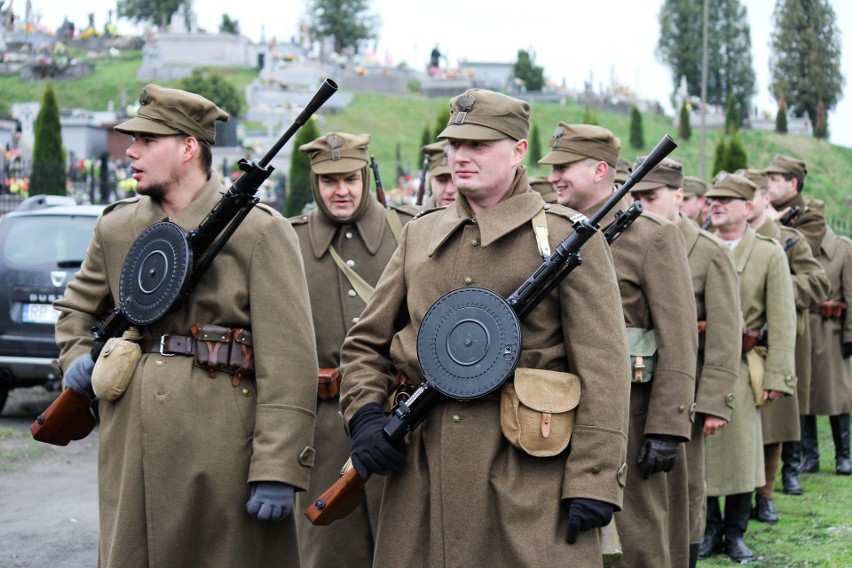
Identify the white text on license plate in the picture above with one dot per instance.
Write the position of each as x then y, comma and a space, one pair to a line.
39, 313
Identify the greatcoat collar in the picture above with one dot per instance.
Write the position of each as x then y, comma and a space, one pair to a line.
370, 225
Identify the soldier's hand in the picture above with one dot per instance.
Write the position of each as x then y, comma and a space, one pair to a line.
78, 376
713, 424
586, 514
658, 453
847, 349
774, 214
270, 500
372, 452
770, 395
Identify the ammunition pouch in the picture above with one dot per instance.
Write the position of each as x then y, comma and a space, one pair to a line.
832, 309
328, 383
642, 344
750, 340
537, 410
115, 365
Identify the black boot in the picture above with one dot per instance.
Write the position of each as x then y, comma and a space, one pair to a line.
737, 509
810, 444
763, 510
693, 554
840, 432
789, 477
711, 542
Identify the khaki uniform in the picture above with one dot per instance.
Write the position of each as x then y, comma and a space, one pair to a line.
831, 387
656, 293
717, 297
365, 246
734, 456
179, 449
466, 496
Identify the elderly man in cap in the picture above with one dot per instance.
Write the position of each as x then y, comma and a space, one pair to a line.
781, 420
693, 204
195, 462
659, 312
440, 179
716, 289
735, 463
786, 181
459, 492
346, 243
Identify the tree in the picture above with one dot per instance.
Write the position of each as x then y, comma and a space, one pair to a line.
440, 123
684, 128
527, 71
729, 68
48, 174
157, 12
215, 87
821, 124
735, 156
805, 59
299, 192
637, 134
732, 120
720, 161
781, 117
229, 26
590, 115
534, 154
346, 22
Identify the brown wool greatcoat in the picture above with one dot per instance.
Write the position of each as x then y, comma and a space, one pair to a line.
734, 456
831, 384
179, 448
717, 300
366, 246
656, 293
780, 420
465, 495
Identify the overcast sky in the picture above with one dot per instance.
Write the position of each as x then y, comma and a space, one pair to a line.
573, 40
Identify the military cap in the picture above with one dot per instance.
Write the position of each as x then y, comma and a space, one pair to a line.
757, 177
479, 114
168, 112
574, 142
694, 186
787, 165
731, 185
544, 187
438, 163
623, 169
668, 173
338, 153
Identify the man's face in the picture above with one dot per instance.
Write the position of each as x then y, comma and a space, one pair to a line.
156, 162
759, 203
341, 193
693, 206
729, 213
444, 190
662, 201
482, 167
780, 189
575, 184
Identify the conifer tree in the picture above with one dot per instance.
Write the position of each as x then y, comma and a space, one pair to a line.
534, 154
735, 156
299, 193
684, 128
48, 175
720, 161
637, 135
821, 124
781, 117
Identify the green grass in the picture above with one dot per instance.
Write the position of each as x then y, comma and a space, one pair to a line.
17, 449
815, 529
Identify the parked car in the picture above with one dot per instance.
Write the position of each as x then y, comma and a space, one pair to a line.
40, 251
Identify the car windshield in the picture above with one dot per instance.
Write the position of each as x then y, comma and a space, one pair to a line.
48, 241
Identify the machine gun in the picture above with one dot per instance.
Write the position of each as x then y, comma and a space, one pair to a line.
162, 267
452, 376
380, 189
623, 219
790, 216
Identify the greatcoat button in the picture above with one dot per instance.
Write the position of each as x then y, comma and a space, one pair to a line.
348, 234
351, 293
246, 393
456, 418
468, 280
681, 408
474, 243
159, 362
355, 320
350, 263
596, 469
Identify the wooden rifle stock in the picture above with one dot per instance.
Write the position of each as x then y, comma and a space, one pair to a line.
340, 499
421, 189
70, 417
380, 189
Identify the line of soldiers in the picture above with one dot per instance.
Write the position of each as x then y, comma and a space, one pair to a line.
665, 346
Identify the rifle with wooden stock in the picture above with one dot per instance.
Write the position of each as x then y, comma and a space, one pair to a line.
345, 494
421, 189
380, 189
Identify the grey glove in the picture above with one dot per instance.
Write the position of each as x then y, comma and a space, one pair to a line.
658, 453
78, 376
270, 500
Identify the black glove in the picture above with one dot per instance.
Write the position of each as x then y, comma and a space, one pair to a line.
586, 514
658, 453
847, 350
372, 452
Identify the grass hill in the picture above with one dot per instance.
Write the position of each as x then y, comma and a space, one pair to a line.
402, 120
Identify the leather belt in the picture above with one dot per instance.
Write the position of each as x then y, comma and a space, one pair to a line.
169, 345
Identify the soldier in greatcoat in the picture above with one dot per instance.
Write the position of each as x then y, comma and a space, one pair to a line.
443, 192
346, 243
831, 385
694, 206
780, 420
544, 187
458, 491
193, 461
659, 312
716, 289
735, 465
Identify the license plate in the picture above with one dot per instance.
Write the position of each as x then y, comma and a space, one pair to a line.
39, 313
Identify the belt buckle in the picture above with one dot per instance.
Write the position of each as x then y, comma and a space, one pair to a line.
163, 346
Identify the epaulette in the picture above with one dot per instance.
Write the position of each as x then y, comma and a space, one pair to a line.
404, 211
764, 238
658, 219
427, 211
267, 209
119, 204
298, 220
